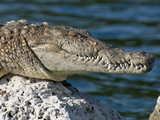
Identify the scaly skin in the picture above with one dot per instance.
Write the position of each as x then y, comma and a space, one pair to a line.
54, 52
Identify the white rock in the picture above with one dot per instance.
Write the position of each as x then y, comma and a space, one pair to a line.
33, 99
156, 113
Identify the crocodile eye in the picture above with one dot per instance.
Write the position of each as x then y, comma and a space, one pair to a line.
86, 32
73, 34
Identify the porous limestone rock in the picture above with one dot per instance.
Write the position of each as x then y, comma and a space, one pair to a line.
24, 98
156, 113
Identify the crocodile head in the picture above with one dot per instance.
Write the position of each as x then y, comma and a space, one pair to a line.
67, 51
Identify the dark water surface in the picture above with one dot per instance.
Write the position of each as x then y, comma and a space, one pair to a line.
131, 24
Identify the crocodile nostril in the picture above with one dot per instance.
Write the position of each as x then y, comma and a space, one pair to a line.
143, 53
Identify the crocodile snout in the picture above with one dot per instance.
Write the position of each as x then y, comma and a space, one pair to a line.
141, 57
142, 61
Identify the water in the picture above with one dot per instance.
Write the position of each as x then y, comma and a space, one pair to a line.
129, 24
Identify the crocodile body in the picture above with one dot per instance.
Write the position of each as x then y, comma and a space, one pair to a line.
54, 52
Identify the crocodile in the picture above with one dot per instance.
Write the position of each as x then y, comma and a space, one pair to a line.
55, 52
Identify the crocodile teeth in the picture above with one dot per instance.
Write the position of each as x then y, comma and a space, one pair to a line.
125, 64
129, 63
109, 66
117, 66
96, 61
88, 58
145, 67
131, 66
121, 65
137, 67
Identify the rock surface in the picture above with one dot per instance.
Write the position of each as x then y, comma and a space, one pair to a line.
33, 99
156, 113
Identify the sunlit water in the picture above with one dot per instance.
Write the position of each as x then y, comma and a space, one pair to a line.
133, 25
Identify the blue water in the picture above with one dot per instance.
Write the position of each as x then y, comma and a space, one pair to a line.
133, 25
